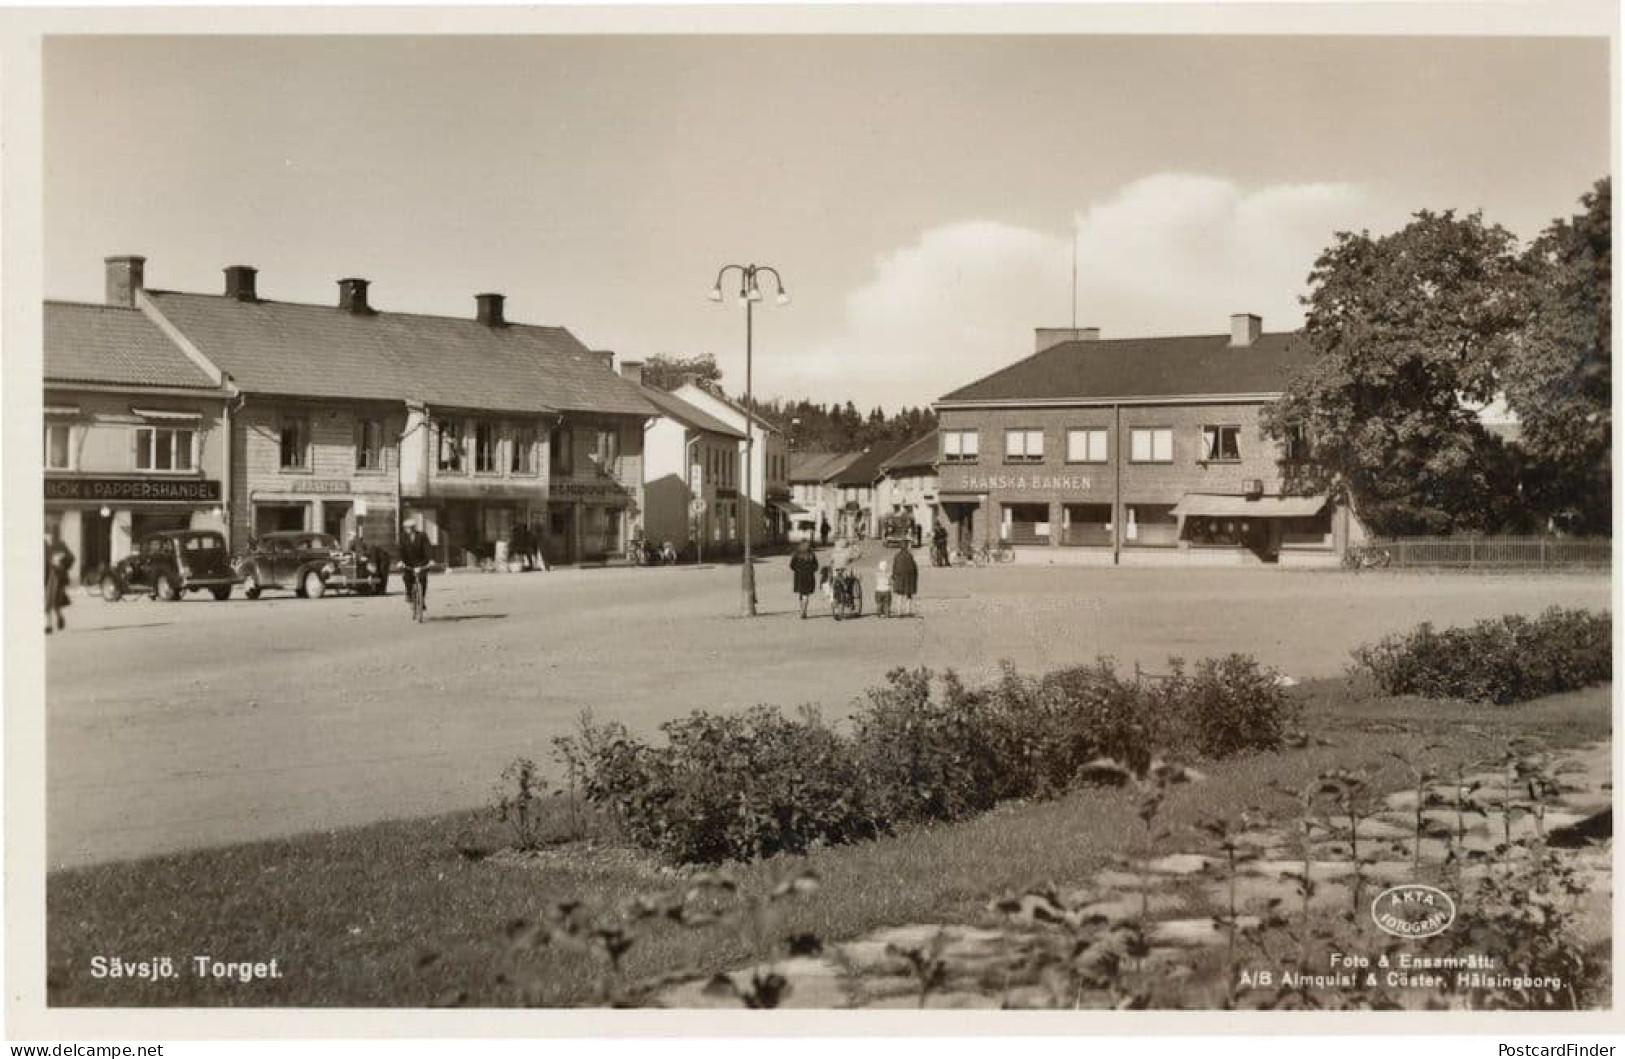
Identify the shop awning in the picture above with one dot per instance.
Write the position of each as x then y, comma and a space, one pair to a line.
1230, 505
789, 507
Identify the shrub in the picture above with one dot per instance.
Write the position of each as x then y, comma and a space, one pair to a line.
1226, 706
1107, 717
1501, 660
925, 757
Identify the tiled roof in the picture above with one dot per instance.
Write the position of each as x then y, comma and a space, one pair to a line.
819, 466
921, 452
687, 414
316, 350
762, 425
1102, 369
866, 468
108, 344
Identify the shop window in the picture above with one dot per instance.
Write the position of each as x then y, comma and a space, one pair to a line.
369, 445
1025, 524
1219, 531
959, 446
163, 449
1086, 524
1151, 525
1221, 444
523, 459
58, 447
1313, 530
1086, 445
1023, 446
295, 443
1151, 445
449, 458
485, 448
497, 524
560, 453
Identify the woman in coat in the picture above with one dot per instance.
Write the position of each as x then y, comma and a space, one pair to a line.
58, 561
905, 579
804, 565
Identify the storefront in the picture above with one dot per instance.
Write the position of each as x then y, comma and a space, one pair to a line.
586, 520
102, 518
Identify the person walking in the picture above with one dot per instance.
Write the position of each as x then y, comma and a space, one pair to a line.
523, 549
905, 580
804, 567
823, 529
58, 562
939, 544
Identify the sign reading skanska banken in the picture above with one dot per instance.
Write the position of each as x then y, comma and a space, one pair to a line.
181, 490
952, 481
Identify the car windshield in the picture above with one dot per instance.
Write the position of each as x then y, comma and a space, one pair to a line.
205, 544
317, 541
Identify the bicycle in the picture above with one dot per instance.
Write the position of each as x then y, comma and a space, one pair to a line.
414, 589
1367, 557
846, 595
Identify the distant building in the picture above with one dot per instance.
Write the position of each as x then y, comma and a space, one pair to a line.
1139, 450
855, 505
908, 484
766, 482
691, 467
813, 490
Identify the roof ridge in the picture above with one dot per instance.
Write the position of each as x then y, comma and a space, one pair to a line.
371, 312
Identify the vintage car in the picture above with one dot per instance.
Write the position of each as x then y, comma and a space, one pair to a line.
896, 530
167, 565
311, 565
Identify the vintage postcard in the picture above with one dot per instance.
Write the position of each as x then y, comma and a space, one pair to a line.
577, 520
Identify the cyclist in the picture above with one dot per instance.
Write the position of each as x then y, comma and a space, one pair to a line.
415, 559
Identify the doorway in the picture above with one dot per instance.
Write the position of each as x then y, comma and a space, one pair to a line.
272, 518
336, 519
95, 545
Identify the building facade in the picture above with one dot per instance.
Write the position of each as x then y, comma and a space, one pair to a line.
908, 485
1133, 451
763, 477
813, 491
690, 462
136, 437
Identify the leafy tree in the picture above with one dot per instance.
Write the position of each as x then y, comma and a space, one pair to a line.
1409, 333
1559, 380
668, 372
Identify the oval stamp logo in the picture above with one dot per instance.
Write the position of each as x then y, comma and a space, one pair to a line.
1413, 910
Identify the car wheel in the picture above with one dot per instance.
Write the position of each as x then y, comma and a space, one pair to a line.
166, 589
221, 592
312, 584
111, 590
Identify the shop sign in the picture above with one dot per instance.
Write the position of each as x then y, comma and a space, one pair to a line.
297, 484
1015, 483
587, 490
177, 490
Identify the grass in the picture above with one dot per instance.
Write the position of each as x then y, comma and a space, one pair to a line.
395, 915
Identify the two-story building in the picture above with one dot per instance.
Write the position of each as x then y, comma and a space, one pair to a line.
346, 418
764, 461
690, 484
908, 484
813, 491
136, 436
1133, 451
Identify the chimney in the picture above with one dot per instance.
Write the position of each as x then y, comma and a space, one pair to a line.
632, 369
353, 297
125, 279
240, 283
490, 310
1245, 328
1049, 337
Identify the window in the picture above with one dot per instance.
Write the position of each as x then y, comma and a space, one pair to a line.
369, 445
606, 448
1086, 445
163, 449
58, 447
1151, 445
450, 448
959, 446
1296, 446
1151, 525
1221, 444
523, 459
1023, 446
295, 439
485, 448
560, 454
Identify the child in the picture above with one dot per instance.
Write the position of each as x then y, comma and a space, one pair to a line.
883, 590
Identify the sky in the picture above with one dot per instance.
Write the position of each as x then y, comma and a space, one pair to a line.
920, 195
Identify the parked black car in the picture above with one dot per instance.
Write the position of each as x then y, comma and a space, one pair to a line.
311, 565
167, 565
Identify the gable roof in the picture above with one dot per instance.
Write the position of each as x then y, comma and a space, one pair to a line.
687, 414
819, 466
1107, 369
866, 468
111, 344
303, 350
921, 452
696, 390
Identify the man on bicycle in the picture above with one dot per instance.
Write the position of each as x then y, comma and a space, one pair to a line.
415, 558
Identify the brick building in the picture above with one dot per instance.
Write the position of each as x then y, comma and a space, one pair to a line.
135, 433
345, 418
1134, 451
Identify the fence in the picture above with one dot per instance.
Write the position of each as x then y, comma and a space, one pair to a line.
1474, 552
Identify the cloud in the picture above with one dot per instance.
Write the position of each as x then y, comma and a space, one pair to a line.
1168, 254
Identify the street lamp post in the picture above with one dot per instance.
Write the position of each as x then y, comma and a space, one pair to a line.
749, 293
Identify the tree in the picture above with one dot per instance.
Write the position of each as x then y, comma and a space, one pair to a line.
668, 372
1409, 334
1559, 380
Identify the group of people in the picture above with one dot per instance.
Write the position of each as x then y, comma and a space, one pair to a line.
897, 579
525, 547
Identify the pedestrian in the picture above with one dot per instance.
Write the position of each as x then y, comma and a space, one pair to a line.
915, 531
523, 549
883, 590
415, 560
939, 544
905, 580
823, 529
58, 562
804, 566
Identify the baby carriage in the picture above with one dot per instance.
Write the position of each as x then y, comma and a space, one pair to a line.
845, 593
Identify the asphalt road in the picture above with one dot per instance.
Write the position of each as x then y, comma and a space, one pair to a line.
173, 726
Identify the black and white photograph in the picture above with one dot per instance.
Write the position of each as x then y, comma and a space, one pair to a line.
902, 517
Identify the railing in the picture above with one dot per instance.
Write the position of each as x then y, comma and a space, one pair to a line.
1475, 552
